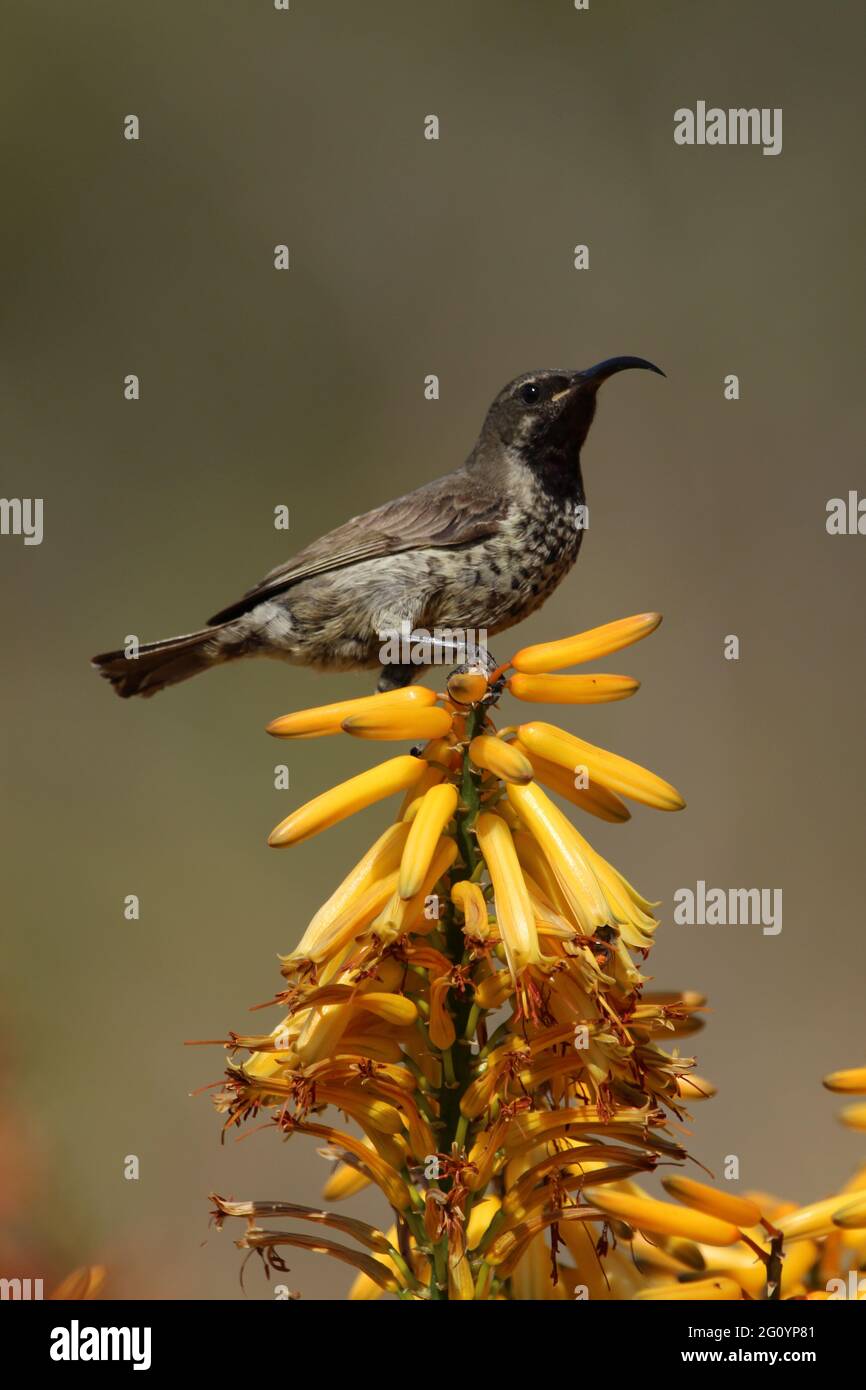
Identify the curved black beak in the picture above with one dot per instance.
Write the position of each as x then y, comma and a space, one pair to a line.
610, 366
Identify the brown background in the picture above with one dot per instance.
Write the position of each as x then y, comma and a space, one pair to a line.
305, 388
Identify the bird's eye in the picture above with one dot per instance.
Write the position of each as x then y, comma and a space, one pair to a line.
530, 393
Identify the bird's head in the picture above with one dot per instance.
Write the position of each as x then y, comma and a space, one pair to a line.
544, 416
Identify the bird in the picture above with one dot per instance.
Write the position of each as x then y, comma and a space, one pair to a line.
477, 550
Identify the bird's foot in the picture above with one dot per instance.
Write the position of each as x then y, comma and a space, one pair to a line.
483, 663
425, 650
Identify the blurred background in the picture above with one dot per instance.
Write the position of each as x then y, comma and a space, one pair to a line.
305, 388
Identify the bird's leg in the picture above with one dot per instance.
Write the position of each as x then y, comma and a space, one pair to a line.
395, 677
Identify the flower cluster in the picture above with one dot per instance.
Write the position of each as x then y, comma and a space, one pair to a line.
471, 999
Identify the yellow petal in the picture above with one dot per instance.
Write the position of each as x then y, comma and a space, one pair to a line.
468, 897
813, 1221
344, 800
467, 687
719, 1289
431, 777
853, 1216
350, 923
327, 719
382, 1172
433, 815
595, 798
345, 1181
618, 774
799, 1260
441, 1022
381, 859
847, 1083
82, 1285
586, 646
514, 914
494, 990
695, 1088
670, 1255
854, 1116
571, 690
366, 1109
662, 1218
388, 723
400, 915
727, 1206
461, 1285
557, 838
501, 758
366, 1290
480, 1217
396, 1009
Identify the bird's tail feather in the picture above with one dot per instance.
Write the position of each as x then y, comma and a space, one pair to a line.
159, 664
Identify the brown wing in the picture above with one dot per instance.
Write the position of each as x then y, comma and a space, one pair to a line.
442, 514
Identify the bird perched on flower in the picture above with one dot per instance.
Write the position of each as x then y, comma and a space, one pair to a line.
479, 549
471, 998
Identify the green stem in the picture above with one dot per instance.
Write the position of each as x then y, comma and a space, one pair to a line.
457, 1061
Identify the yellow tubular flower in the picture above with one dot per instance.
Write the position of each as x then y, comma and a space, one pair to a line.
435, 812
571, 690
379, 861
398, 723
473, 998
501, 758
726, 1206
847, 1083
344, 1182
430, 777
646, 1214
595, 798
467, 688
327, 719
677, 1257
441, 1024
364, 1289
480, 1218
82, 1285
494, 990
693, 1088
799, 1260
557, 838
344, 800
617, 774
718, 1290
352, 922
326, 1025
461, 1285
586, 646
401, 915
469, 899
815, 1220
853, 1216
513, 909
